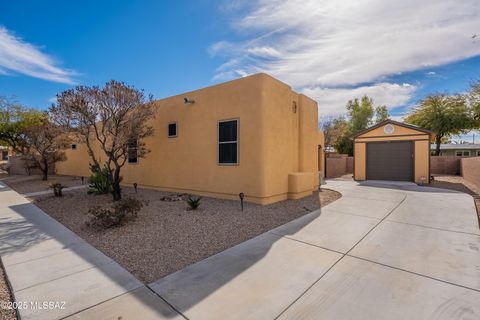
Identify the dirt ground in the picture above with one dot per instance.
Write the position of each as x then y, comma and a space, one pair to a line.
166, 237
34, 183
5, 298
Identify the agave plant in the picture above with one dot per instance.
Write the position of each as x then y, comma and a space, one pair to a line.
193, 202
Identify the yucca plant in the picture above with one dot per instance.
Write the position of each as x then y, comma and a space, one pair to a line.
193, 202
99, 183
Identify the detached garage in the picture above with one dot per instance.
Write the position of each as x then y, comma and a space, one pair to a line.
394, 151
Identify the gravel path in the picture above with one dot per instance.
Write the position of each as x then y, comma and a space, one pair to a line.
34, 183
166, 237
5, 297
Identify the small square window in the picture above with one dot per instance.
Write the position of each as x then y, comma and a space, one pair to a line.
458, 153
74, 146
172, 130
132, 151
466, 153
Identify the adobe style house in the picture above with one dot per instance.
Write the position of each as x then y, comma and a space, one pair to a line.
253, 135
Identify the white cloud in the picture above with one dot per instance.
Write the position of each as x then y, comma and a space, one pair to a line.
331, 44
332, 101
22, 57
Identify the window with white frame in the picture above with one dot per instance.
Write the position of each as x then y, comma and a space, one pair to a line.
132, 151
228, 142
464, 153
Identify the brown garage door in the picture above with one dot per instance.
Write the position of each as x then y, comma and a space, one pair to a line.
390, 161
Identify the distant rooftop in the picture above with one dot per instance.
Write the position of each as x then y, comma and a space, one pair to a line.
456, 146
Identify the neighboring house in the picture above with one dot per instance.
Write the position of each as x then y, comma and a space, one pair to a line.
457, 149
253, 135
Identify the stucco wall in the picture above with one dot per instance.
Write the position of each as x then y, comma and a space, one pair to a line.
360, 164
470, 170
274, 141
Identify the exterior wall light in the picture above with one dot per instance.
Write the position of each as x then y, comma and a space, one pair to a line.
187, 101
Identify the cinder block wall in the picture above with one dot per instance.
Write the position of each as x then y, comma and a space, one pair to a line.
445, 164
470, 170
339, 166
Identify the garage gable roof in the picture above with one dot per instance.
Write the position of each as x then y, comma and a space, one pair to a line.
384, 122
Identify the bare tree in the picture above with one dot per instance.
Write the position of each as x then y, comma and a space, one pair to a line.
44, 145
115, 118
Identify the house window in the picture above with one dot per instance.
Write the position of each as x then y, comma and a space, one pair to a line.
132, 151
478, 153
462, 153
228, 142
74, 146
172, 130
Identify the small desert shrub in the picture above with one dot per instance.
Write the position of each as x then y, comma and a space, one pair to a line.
57, 188
121, 211
193, 202
99, 183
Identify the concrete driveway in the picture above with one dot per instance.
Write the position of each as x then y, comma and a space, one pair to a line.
382, 251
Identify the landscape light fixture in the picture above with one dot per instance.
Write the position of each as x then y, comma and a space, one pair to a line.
187, 101
241, 195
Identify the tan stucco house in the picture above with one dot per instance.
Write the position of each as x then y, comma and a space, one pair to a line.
253, 135
392, 150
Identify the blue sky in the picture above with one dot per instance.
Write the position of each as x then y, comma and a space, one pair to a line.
332, 51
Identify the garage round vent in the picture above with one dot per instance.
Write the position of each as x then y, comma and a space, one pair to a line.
389, 129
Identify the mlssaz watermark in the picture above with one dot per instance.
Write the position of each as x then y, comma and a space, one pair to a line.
35, 305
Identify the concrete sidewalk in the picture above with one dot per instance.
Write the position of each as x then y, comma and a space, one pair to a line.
55, 274
382, 251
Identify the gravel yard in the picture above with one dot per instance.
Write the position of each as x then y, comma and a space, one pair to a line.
34, 183
5, 298
166, 237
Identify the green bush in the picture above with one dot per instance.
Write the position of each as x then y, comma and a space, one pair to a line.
193, 202
118, 214
98, 183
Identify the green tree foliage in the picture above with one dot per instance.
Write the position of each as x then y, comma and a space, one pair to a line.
444, 115
14, 120
381, 114
361, 114
474, 102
